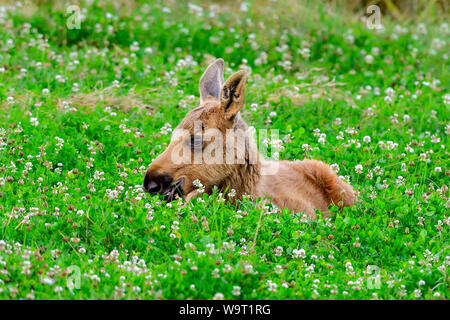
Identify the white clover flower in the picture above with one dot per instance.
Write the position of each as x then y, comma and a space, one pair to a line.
400, 181
422, 28
278, 269
359, 169
278, 251
216, 273
166, 129
334, 167
435, 139
369, 59
134, 46
272, 286
305, 52
389, 92
322, 139
375, 51
218, 296
227, 268
446, 98
424, 157
298, 253
248, 268
197, 183
34, 122
417, 293
48, 281
350, 38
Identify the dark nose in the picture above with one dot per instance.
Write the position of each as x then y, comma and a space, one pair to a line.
157, 183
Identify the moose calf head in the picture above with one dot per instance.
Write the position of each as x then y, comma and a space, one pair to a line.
209, 143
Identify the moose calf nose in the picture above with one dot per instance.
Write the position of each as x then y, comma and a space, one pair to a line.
154, 183
153, 187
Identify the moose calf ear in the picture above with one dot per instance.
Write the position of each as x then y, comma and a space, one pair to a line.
232, 94
211, 81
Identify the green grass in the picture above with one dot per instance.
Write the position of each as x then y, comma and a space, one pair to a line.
79, 204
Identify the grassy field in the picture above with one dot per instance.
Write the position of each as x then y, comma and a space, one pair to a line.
84, 111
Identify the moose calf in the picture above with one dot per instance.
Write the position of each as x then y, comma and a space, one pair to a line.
300, 186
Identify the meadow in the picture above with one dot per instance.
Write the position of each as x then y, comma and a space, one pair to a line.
86, 104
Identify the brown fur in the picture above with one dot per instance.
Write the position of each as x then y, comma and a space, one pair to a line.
300, 186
